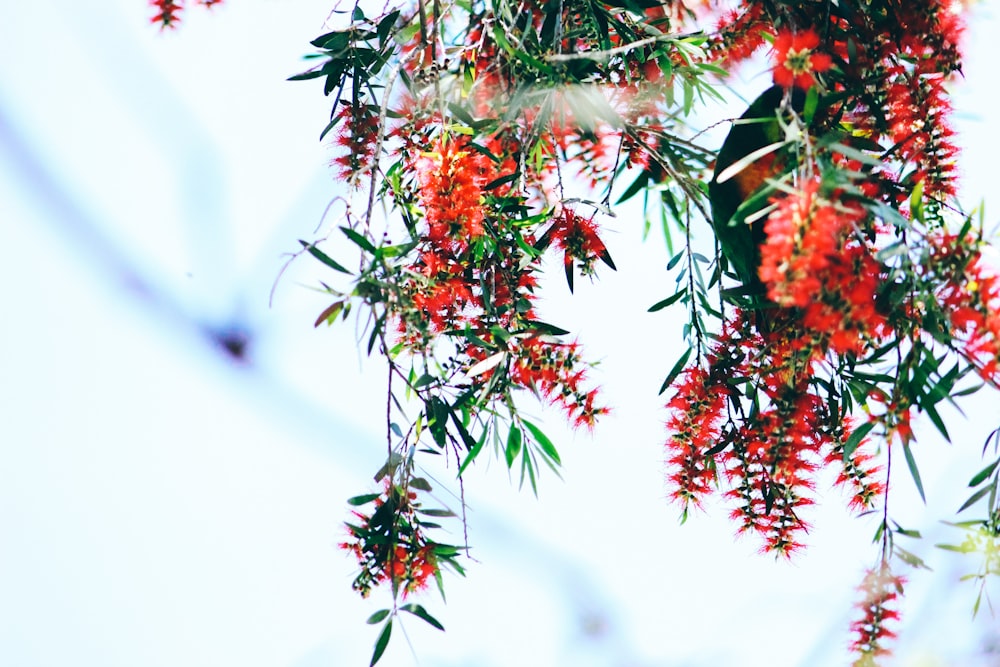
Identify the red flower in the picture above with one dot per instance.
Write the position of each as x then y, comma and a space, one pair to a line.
796, 60
880, 587
168, 12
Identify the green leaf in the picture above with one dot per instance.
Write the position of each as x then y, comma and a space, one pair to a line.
381, 642
378, 616
421, 613
676, 370
548, 329
473, 453
323, 257
856, 437
357, 501
914, 471
670, 300
497, 182
983, 474
360, 240
329, 313
513, 447
543, 441
420, 484
974, 498
437, 513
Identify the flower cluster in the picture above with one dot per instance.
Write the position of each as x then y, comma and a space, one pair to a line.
577, 237
356, 139
970, 297
880, 588
168, 11
553, 369
814, 260
771, 457
797, 60
390, 544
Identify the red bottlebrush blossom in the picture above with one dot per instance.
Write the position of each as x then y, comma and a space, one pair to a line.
577, 237
796, 60
880, 588
357, 138
971, 297
451, 191
697, 410
552, 369
804, 235
389, 543
740, 34
857, 472
811, 262
168, 12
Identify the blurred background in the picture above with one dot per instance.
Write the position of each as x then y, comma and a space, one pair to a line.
175, 454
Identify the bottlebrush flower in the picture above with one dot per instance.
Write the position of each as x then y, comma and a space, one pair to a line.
796, 61
451, 191
168, 12
881, 588
697, 410
357, 137
577, 237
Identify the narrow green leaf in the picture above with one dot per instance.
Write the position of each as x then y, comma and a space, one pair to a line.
981, 476
378, 616
323, 257
914, 471
676, 370
670, 300
543, 441
421, 613
357, 501
473, 453
329, 313
974, 498
437, 513
358, 239
420, 484
381, 642
856, 437
513, 447
497, 182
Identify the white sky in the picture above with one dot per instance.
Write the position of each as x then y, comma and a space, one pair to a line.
159, 506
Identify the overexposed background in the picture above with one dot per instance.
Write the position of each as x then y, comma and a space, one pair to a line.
164, 503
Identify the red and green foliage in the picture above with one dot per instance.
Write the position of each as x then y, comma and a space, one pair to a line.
458, 130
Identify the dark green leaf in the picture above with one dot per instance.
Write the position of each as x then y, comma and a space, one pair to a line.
676, 370
360, 240
550, 329
381, 642
420, 484
914, 471
974, 498
981, 476
357, 501
378, 616
497, 182
543, 441
323, 257
437, 512
421, 613
670, 300
473, 453
856, 437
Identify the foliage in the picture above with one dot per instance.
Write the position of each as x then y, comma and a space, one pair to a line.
846, 294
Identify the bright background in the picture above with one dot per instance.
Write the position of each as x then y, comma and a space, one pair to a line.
162, 503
